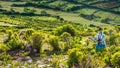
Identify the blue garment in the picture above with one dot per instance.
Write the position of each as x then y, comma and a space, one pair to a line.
101, 36
100, 46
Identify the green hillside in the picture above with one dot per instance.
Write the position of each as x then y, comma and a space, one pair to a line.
59, 33
98, 12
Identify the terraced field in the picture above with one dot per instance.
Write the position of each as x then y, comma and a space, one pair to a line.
89, 10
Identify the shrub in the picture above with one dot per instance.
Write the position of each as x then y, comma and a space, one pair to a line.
37, 40
75, 57
10, 35
56, 61
115, 59
3, 30
5, 57
0, 6
106, 20
66, 28
43, 13
15, 43
111, 41
107, 60
4, 47
29, 11
54, 42
92, 25
117, 28
28, 34
68, 39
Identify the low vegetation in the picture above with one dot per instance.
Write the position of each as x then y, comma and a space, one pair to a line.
33, 39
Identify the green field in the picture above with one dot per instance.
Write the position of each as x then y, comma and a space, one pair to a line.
73, 16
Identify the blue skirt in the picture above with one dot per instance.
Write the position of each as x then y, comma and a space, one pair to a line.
100, 46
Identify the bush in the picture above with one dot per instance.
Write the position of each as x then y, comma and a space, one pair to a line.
66, 28
15, 43
5, 57
37, 40
117, 28
67, 39
106, 20
92, 25
0, 6
4, 47
28, 34
107, 60
56, 61
115, 59
29, 11
43, 13
75, 57
111, 41
54, 42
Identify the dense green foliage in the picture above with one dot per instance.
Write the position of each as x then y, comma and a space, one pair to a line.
61, 39
54, 42
75, 57
66, 28
115, 60
37, 41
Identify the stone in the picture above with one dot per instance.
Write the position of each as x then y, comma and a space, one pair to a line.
9, 66
19, 59
41, 66
29, 67
28, 58
29, 61
35, 50
22, 67
108, 67
0, 62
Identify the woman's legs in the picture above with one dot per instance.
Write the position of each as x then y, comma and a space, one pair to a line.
100, 46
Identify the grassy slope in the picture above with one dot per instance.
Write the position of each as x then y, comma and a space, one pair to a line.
73, 17
5, 24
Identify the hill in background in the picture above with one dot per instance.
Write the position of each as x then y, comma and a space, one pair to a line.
96, 12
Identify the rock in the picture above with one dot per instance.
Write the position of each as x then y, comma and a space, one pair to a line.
62, 66
29, 61
18, 67
41, 66
27, 58
19, 59
21, 51
29, 67
35, 50
0, 62
9, 66
38, 62
22, 67
28, 47
50, 59
108, 67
